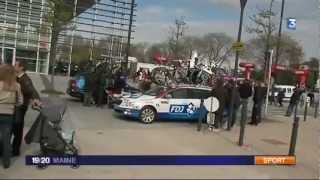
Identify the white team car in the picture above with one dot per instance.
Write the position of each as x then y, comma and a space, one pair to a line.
180, 103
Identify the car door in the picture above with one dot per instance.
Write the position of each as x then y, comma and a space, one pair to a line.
196, 96
179, 104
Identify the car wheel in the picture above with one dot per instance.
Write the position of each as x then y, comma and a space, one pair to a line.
147, 115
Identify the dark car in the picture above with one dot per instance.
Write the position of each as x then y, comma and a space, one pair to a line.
76, 85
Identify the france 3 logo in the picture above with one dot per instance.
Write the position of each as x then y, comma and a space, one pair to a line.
292, 23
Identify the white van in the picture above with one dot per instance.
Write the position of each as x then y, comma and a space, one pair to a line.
288, 90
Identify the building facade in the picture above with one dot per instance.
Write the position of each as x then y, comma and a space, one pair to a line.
24, 33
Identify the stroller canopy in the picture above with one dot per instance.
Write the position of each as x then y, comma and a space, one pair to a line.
45, 125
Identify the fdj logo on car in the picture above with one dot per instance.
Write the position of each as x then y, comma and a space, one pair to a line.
183, 109
177, 108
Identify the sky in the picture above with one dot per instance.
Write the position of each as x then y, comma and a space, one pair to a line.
154, 18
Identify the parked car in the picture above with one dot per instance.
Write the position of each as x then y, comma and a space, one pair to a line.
180, 103
288, 91
115, 96
76, 85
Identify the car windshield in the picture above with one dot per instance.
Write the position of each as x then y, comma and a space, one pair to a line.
154, 91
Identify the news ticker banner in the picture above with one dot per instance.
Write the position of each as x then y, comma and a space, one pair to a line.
160, 160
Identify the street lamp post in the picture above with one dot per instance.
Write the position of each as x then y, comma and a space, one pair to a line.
124, 67
279, 35
236, 64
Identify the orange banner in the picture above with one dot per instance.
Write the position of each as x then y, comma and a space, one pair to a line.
275, 160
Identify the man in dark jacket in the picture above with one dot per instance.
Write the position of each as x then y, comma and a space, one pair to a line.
259, 96
220, 93
280, 97
236, 102
245, 92
293, 101
30, 95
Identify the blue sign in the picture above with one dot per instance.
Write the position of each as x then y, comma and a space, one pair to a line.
292, 23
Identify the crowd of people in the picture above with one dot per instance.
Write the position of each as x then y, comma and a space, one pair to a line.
99, 82
142, 75
143, 78
257, 91
16, 94
244, 89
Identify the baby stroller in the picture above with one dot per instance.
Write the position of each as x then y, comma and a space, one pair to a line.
47, 131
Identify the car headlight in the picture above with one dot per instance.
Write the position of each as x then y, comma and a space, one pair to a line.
134, 105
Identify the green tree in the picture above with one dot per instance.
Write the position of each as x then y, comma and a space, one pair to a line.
59, 15
313, 65
290, 54
286, 78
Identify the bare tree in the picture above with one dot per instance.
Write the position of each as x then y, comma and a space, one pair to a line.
139, 51
291, 52
175, 37
264, 27
190, 44
216, 48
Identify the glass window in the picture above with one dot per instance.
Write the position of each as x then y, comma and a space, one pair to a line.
154, 91
180, 94
200, 93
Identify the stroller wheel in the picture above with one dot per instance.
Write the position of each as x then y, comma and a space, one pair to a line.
42, 166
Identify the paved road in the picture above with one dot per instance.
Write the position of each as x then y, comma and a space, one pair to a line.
101, 131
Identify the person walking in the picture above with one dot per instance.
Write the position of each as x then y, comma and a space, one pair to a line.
30, 95
294, 100
101, 99
272, 97
245, 92
10, 99
220, 93
316, 100
259, 95
280, 97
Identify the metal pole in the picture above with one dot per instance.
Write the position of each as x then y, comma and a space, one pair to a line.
243, 121
29, 18
199, 125
269, 83
306, 104
280, 33
16, 33
236, 64
39, 36
4, 31
316, 108
93, 31
129, 35
294, 133
72, 37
